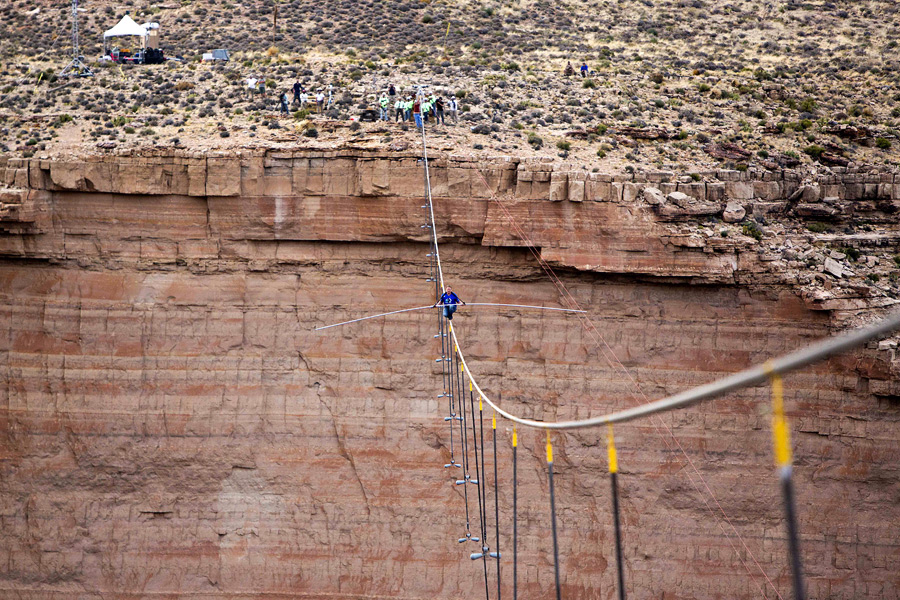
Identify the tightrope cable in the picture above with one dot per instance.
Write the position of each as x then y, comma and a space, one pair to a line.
441, 306
594, 333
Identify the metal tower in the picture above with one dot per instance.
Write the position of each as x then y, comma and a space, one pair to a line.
76, 67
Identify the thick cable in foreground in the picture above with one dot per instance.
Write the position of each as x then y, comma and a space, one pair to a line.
748, 377
553, 517
496, 552
781, 440
515, 446
613, 475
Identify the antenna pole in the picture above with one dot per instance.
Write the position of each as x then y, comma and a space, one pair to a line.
76, 67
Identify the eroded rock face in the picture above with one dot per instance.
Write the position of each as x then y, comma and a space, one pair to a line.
172, 424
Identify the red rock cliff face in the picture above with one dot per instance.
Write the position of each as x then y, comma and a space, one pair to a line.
171, 425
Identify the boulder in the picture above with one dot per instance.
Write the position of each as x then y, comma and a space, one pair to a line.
679, 198
821, 211
653, 196
834, 267
734, 213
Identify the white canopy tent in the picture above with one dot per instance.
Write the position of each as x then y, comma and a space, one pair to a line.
126, 27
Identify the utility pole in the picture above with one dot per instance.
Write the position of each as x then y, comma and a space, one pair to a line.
76, 67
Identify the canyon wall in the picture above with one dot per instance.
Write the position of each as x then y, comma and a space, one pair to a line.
171, 424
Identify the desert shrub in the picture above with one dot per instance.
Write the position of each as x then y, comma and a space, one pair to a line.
703, 88
817, 227
184, 85
427, 19
602, 128
814, 151
311, 132
535, 141
271, 51
852, 253
882, 143
808, 105
751, 229
589, 84
564, 145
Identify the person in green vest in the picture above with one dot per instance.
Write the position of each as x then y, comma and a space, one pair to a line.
384, 102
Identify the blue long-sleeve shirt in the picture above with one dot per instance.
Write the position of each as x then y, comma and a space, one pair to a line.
449, 298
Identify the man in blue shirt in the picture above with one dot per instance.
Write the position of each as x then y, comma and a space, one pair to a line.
450, 302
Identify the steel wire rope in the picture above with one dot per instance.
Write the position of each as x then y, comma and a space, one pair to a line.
478, 479
553, 517
465, 441
591, 331
496, 552
515, 447
479, 487
885, 325
825, 348
748, 377
483, 479
415, 308
528, 422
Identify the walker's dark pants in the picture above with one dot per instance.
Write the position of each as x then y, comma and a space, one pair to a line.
449, 309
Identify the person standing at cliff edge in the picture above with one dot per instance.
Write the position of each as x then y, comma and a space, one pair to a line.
450, 302
417, 112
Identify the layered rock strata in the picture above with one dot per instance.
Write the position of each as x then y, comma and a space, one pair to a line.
172, 425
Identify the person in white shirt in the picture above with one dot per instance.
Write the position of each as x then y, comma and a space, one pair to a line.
320, 100
453, 109
251, 86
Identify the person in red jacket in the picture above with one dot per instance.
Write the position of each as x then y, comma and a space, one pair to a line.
417, 112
